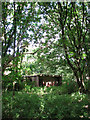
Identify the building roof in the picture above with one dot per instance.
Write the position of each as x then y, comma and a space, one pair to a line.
41, 75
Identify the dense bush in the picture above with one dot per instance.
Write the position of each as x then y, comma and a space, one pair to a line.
7, 105
56, 107
28, 106
21, 106
45, 106
65, 106
71, 87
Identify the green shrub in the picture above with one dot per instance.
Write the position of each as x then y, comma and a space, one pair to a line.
45, 106
7, 103
56, 107
28, 106
71, 87
80, 105
21, 105
64, 89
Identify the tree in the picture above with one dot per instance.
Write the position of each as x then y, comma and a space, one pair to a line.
75, 33
16, 19
69, 20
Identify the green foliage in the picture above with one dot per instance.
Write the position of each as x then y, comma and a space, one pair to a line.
66, 88
60, 30
21, 106
56, 107
13, 81
81, 105
7, 105
28, 106
71, 86
41, 23
10, 80
18, 19
45, 106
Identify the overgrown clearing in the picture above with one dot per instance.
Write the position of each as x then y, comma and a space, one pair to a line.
50, 38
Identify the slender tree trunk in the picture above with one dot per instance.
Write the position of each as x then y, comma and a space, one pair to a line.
14, 22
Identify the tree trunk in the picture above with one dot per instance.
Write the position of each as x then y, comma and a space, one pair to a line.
80, 83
